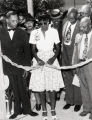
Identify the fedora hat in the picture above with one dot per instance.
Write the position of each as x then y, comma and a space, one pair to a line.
55, 14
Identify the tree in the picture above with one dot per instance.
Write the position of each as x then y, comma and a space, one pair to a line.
18, 5
43, 5
38, 5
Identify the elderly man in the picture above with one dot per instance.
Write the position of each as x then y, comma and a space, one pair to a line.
84, 11
82, 52
89, 2
70, 29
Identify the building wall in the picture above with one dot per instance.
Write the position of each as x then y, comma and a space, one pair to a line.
69, 3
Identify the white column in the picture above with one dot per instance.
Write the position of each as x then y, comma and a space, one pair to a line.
30, 7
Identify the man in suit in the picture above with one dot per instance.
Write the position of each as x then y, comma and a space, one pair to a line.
14, 44
83, 42
70, 29
84, 11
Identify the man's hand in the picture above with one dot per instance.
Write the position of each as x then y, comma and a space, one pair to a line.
25, 74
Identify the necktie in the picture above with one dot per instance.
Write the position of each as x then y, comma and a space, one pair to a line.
85, 48
68, 36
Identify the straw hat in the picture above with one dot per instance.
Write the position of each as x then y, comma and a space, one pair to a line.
55, 14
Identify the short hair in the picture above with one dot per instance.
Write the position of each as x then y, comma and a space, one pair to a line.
9, 13
86, 9
72, 10
29, 17
43, 16
85, 20
89, 1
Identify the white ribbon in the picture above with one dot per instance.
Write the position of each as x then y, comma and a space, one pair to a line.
28, 68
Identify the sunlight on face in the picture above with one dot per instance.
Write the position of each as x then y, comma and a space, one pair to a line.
12, 21
85, 27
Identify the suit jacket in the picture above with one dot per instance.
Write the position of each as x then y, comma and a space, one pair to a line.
16, 49
67, 50
75, 58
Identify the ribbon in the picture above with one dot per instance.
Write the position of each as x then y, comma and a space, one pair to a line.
28, 68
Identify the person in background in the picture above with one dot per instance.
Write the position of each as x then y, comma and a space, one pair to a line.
70, 29
83, 52
29, 23
56, 18
14, 45
22, 20
2, 19
30, 26
84, 11
45, 79
89, 2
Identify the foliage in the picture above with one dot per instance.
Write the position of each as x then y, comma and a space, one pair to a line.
19, 5
43, 5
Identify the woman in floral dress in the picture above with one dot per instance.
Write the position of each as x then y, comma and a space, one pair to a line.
45, 78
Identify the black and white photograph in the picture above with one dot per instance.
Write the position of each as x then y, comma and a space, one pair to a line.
45, 59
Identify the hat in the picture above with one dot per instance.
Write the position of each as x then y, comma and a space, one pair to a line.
29, 18
55, 14
43, 16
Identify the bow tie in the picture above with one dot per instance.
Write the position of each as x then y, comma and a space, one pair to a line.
11, 29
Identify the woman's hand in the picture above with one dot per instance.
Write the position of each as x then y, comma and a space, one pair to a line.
51, 61
40, 62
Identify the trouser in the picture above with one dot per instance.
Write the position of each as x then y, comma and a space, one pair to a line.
86, 88
72, 93
21, 98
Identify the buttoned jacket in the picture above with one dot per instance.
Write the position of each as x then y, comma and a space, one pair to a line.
16, 49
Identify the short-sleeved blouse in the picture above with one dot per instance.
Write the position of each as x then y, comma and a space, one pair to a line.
44, 43
45, 78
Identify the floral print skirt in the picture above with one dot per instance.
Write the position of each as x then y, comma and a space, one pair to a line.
46, 78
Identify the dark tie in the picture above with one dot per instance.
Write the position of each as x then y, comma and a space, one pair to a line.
68, 35
84, 56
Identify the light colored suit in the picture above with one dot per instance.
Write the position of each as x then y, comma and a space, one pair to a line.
85, 73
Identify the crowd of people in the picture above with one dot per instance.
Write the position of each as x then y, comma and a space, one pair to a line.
51, 38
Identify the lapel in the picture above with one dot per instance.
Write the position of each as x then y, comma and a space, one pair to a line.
90, 47
76, 30
75, 58
64, 28
6, 34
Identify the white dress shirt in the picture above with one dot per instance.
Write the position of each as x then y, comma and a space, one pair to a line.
11, 33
